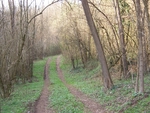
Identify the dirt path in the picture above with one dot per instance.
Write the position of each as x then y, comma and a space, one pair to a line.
89, 103
42, 103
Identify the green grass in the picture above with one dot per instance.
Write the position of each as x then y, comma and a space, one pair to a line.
83, 79
87, 81
61, 99
116, 99
143, 105
25, 93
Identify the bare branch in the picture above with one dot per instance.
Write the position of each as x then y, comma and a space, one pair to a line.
42, 11
113, 29
69, 4
101, 13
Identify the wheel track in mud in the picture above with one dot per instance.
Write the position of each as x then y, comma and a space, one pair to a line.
41, 105
90, 104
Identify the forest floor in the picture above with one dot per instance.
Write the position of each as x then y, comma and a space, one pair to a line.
90, 104
80, 90
41, 105
121, 99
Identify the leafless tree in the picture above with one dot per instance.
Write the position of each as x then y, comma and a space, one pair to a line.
122, 37
140, 78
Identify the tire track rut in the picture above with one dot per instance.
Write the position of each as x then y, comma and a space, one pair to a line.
89, 103
42, 103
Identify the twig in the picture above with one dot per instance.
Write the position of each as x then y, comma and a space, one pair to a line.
42, 11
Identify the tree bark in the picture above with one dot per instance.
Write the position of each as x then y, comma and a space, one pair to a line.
108, 84
12, 16
140, 47
146, 9
122, 42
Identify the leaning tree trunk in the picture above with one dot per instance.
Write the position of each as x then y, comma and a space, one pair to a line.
108, 84
140, 46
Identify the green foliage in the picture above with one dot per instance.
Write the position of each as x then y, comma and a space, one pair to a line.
142, 106
25, 94
124, 6
61, 99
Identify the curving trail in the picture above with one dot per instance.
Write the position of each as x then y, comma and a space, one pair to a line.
42, 103
89, 103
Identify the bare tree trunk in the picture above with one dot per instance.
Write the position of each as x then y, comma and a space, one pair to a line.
89, 47
32, 49
122, 42
145, 57
108, 84
72, 61
12, 15
78, 35
42, 35
146, 9
140, 47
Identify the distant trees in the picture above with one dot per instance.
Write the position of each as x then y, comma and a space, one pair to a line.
29, 32
18, 43
75, 39
124, 64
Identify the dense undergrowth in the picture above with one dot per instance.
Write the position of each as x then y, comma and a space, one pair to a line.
121, 98
61, 99
24, 95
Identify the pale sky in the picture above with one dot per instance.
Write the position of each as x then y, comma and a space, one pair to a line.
38, 2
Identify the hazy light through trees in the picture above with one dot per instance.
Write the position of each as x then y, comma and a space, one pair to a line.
31, 2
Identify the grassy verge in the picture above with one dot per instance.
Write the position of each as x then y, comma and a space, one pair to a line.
61, 99
120, 99
25, 94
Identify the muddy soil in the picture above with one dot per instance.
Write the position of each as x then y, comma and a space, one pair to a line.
42, 104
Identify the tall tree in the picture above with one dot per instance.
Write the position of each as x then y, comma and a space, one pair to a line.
140, 78
108, 83
12, 15
147, 14
146, 7
122, 41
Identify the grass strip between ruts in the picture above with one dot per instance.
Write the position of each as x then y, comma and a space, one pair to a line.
61, 99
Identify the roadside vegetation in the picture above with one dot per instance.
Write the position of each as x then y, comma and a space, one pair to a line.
24, 95
121, 98
105, 46
61, 99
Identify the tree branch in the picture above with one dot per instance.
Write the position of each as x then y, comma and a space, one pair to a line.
114, 31
42, 11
